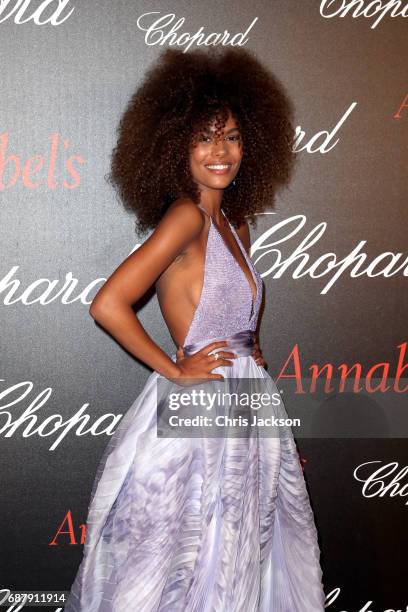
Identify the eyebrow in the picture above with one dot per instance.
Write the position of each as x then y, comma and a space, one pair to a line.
207, 131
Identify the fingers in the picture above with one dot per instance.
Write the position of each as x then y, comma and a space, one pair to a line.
260, 361
202, 362
222, 359
213, 345
257, 354
224, 354
220, 362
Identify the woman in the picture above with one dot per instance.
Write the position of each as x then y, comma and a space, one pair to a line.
211, 522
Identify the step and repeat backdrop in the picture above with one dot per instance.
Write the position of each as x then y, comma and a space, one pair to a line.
332, 251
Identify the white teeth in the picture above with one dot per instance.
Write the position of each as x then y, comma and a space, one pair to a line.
218, 166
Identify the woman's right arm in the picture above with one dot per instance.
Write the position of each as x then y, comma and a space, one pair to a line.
112, 305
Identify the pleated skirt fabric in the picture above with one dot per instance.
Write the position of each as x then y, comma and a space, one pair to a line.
198, 524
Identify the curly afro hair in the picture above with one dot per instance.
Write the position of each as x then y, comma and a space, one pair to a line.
180, 95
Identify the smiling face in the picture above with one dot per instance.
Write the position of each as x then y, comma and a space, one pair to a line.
214, 162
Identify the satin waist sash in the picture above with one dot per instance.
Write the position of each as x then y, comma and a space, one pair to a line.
240, 343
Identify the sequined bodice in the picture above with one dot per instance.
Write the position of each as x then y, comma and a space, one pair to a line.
226, 303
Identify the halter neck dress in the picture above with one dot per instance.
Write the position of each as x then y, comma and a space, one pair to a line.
227, 304
202, 524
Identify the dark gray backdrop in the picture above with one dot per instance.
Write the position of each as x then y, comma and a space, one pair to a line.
74, 80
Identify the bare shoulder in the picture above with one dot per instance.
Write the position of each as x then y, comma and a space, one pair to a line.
178, 227
243, 233
184, 214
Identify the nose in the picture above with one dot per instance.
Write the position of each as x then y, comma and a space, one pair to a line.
219, 146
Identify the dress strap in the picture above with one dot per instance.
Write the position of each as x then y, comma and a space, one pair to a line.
204, 211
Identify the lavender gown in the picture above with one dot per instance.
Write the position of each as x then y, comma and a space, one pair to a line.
201, 524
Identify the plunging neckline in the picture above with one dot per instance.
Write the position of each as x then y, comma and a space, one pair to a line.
205, 270
246, 258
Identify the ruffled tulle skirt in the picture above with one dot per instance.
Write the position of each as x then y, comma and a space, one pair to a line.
199, 524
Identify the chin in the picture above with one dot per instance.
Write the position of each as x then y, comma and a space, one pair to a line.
220, 184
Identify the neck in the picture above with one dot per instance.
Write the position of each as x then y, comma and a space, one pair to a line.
212, 202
